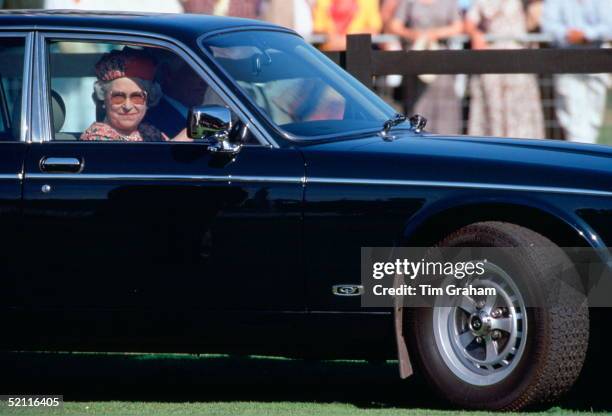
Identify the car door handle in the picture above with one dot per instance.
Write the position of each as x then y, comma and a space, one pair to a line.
61, 165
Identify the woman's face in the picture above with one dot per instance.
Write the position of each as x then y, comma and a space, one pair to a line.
126, 105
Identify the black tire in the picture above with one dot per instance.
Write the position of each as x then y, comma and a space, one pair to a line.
555, 346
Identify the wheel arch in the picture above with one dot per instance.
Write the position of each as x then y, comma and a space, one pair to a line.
427, 228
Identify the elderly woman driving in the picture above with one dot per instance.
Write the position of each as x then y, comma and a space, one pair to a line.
125, 89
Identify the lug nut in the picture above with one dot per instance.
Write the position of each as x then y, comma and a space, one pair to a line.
496, 334
479, 340
497, 312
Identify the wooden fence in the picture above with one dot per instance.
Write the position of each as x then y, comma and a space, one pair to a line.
363, 62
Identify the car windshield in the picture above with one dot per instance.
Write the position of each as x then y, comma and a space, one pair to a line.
297, 87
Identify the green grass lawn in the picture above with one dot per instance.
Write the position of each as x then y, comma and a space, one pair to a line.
182, 384
248, 409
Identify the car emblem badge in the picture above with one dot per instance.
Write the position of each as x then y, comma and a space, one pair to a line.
347, 290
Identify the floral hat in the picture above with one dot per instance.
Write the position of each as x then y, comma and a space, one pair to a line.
128, 62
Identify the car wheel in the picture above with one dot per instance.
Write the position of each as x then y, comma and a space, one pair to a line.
539, 351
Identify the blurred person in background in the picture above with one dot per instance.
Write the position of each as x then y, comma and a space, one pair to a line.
338, 18
294, 14
580, 98
387, 11
503, 105
249, 9
424, 24
534, 15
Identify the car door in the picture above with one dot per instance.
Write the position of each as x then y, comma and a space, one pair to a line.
15, 56
154, 229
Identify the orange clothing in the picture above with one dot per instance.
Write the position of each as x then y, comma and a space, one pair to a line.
366, 19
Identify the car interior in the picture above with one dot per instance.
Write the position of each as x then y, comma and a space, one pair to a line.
72, 76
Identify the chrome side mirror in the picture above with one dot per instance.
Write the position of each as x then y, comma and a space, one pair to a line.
418, 123
212, 123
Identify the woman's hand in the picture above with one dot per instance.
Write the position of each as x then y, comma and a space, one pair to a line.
335, 42
181, 137
477, 37
479, 42
397, 27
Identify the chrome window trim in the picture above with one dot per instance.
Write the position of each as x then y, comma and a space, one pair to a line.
41, 112
153, 39
26, 82
26, 94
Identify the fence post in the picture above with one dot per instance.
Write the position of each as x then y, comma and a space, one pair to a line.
359, 57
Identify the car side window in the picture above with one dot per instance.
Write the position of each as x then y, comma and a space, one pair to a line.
11, 87
102, 91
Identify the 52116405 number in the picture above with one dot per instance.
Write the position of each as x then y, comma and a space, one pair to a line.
32, 401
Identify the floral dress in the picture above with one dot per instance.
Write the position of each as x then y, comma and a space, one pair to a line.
504, 105
104, 132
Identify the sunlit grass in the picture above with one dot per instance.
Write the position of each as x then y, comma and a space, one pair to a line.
250, 409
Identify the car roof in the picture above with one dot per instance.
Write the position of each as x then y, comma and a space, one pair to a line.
186, 27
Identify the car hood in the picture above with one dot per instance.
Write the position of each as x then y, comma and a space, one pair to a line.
466, 159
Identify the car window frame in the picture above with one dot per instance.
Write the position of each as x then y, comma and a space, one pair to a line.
26, 82
42, 81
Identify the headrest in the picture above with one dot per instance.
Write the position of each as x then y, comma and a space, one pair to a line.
58, 110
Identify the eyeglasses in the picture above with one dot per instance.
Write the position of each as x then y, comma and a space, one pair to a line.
137, 98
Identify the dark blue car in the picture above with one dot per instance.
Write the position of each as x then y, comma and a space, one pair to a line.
241, 230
